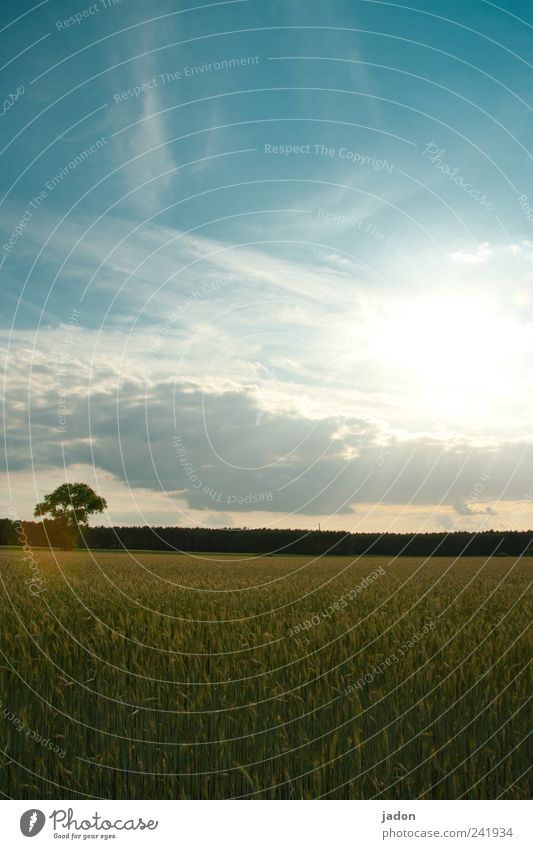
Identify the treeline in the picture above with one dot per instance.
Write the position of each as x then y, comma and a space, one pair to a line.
269, 541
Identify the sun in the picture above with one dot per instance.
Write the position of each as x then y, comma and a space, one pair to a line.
459, 355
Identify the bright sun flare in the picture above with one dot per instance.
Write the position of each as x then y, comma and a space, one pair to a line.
456, 354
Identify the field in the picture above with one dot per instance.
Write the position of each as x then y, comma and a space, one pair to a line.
170, 676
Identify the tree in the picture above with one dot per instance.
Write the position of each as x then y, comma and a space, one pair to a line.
69, 507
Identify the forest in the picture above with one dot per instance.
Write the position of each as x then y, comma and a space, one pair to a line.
275, 541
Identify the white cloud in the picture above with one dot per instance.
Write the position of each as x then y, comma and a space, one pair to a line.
473, 257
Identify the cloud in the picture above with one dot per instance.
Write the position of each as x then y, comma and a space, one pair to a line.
149, 169
463, 508
202, 446
219, 520
155, 265
479, 255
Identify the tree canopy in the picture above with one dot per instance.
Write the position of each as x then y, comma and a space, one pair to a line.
69, 507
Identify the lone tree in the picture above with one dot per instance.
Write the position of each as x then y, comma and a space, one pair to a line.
69, 507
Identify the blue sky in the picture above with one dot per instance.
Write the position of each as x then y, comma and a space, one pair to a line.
270, 263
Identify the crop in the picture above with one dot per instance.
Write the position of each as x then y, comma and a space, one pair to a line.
138, 675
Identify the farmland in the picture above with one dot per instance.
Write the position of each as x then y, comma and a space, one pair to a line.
177, 676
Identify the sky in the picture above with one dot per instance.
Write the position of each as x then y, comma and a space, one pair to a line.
269, 264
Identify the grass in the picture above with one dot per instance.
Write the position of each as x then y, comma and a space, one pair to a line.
176, 676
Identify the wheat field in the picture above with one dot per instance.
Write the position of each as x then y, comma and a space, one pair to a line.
138, 675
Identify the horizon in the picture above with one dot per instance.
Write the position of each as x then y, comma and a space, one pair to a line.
98, 522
